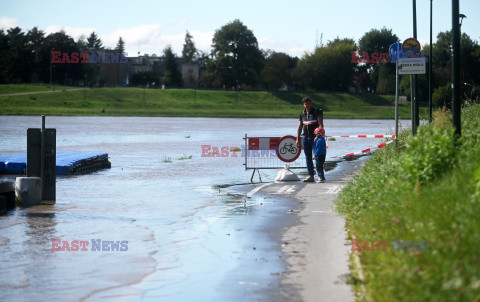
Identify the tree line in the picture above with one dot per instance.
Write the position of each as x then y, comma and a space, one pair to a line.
236, 61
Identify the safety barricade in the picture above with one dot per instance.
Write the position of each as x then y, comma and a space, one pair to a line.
261, 152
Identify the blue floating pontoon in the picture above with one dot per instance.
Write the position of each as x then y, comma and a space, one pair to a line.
68, 163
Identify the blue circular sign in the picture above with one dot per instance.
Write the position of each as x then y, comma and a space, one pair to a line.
396, 52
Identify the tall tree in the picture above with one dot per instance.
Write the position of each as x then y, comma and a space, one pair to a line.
172, 74
278, 70
338, 41
36, 43
120, 45
3, 56
377, 41
19, 60
61, 72
82, 43
94, 42
237, 60
328, 68
189, 50
442, 59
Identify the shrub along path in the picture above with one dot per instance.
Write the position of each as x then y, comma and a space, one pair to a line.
414, 214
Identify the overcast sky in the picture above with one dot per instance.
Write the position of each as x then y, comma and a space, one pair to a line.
294, 27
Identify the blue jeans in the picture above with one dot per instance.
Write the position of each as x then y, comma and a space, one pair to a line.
308, 150
319, 163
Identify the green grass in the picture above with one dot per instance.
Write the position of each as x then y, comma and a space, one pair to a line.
184, 157
166, 159
426, 190
21, 88
199, 103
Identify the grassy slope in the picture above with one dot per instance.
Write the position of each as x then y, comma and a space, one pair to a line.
20, 88
427, 190
188, 102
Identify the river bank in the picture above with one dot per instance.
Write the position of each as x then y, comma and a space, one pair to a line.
193, 103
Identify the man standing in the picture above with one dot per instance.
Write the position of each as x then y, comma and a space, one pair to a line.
310, 119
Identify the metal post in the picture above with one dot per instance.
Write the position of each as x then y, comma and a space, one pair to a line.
42, 155
415, 120
412, 105
456, 108
396, 99
246, 151
430, 62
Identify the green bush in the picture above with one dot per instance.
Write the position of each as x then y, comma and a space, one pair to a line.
428, 154
426, 190
442, 96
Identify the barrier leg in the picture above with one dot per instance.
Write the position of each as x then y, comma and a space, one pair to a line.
259, 176
253, 174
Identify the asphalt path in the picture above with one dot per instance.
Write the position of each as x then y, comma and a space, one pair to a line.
315, 248
36, 92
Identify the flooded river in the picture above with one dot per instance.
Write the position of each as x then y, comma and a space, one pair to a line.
184, 229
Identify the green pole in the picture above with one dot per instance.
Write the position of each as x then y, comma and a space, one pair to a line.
430, 62
415, 77
456, 68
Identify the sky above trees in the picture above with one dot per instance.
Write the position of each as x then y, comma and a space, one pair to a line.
283, 26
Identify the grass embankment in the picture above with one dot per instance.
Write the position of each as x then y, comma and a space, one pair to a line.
199, 103
22, 88
427, 195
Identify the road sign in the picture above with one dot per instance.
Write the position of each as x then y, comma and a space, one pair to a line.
411, 47
287, 150
396, 52
411, 66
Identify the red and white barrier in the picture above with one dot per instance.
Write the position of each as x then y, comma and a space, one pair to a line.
364, 151
364, 136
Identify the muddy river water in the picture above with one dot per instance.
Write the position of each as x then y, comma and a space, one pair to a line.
183, 229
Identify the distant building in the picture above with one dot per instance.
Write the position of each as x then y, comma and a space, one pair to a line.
119, 74
191, 72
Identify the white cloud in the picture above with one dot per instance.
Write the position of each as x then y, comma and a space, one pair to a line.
6, 22
146, 38
150, 39
202, 40
74, 32
292, 48
181, 22
139, 38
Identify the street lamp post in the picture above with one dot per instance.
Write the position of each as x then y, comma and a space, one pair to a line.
144, 88
53, 70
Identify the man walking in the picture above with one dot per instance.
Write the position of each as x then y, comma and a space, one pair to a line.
310, 119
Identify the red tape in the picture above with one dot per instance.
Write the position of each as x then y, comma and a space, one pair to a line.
364, 151
365, 136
